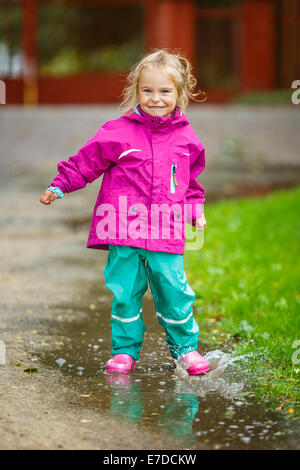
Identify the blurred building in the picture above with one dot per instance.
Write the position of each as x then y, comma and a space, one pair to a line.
79, 51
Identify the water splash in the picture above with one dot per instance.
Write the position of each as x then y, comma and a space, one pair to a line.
225, 376
60, 361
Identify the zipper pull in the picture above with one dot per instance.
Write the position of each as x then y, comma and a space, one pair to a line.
174, 175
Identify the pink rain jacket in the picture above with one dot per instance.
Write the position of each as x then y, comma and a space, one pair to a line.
149, 188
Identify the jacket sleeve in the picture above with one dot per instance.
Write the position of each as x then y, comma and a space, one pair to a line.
195, 193
96, 156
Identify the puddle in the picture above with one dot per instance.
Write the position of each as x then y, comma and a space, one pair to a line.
215, 411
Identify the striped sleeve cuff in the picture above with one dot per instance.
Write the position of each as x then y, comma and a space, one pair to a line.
56, 190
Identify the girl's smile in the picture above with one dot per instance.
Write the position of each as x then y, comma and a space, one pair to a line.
157, 92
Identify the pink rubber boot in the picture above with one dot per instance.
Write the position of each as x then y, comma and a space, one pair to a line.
193, 362
122, 363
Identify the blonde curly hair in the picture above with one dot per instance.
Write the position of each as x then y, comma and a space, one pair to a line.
175, 65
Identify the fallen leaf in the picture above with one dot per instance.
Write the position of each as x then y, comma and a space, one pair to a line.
30, 370
291, 410
18, 363
219, 316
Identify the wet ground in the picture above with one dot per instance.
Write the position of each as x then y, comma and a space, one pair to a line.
213, 411
54, 320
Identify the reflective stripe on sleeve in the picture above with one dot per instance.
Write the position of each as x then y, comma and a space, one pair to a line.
128, 151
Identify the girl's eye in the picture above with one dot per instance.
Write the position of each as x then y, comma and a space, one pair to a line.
165, 91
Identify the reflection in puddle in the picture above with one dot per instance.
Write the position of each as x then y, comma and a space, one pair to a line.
216, 410
125, 397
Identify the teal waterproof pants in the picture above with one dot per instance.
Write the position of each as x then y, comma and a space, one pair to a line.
126, 272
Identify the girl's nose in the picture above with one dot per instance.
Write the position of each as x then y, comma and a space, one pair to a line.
155, 98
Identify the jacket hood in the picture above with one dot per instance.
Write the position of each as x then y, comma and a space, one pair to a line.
177, 118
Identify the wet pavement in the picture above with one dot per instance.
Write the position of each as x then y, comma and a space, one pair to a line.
55, 309
216, 410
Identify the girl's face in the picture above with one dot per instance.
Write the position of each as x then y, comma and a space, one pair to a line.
157, 92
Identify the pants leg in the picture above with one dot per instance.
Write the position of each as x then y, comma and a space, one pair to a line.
126, 278
173, 299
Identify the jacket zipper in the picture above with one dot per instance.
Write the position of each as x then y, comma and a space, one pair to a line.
174, 182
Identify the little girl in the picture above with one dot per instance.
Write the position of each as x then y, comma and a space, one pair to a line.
150, 158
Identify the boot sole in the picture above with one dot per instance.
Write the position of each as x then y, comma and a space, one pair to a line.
198, 371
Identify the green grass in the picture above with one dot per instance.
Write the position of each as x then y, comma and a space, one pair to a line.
269, 98
246, 278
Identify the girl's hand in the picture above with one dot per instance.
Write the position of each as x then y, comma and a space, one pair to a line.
48, 196
201, 223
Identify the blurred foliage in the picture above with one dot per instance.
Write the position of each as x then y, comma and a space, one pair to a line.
10, 27
110, 58
265, 97
78, 39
